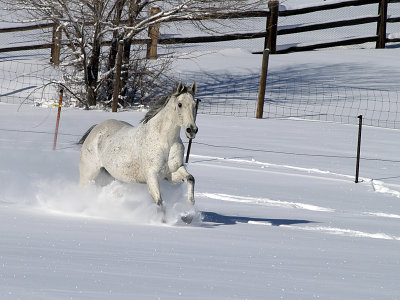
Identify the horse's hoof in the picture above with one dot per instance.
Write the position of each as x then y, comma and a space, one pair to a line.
161, 212
187, 217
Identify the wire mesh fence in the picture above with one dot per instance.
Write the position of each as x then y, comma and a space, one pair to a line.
294, 97
328, 102
27, 80
288, 95
226, 94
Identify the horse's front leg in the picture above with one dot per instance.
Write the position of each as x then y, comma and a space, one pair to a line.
153, 186
182, 175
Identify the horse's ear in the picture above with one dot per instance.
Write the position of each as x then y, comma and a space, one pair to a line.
193, 88
180, 88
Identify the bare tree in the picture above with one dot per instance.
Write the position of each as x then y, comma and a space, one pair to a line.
92, 30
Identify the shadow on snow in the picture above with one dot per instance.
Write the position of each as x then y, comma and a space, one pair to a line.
214, 219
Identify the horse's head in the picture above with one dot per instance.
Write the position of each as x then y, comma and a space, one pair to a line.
185, 107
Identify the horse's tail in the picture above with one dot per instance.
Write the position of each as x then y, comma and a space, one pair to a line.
83, 138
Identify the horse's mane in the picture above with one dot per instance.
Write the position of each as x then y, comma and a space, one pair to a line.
159, 105
155, 108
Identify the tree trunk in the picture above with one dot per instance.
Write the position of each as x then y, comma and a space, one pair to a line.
94, 60
114, 49
133, 13
91, 96
125, 69
114, 45
93, 73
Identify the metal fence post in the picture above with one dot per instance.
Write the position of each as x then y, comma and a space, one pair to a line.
263, 83
190, 140
358, 147
58, 118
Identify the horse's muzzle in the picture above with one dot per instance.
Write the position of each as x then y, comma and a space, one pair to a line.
191, 131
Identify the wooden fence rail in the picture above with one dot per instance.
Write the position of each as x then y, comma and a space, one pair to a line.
323, 7
270, 34
26, 28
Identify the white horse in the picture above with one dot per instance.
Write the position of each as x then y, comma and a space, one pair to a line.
148, 153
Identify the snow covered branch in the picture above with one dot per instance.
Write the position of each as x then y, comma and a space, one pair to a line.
88, 26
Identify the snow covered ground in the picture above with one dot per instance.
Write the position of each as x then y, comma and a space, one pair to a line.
278, 212
278, 215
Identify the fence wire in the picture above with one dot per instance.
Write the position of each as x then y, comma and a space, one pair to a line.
294, 97
27, 80
288, 96
329, 102
226, 94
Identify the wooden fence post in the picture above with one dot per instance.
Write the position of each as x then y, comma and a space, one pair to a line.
272, 26
117, 77
263, 83
56, 44
381, 27
153, 34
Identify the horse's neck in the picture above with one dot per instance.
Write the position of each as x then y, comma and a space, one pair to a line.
164, 127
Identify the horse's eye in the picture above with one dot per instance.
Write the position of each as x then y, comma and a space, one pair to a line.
179, 104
